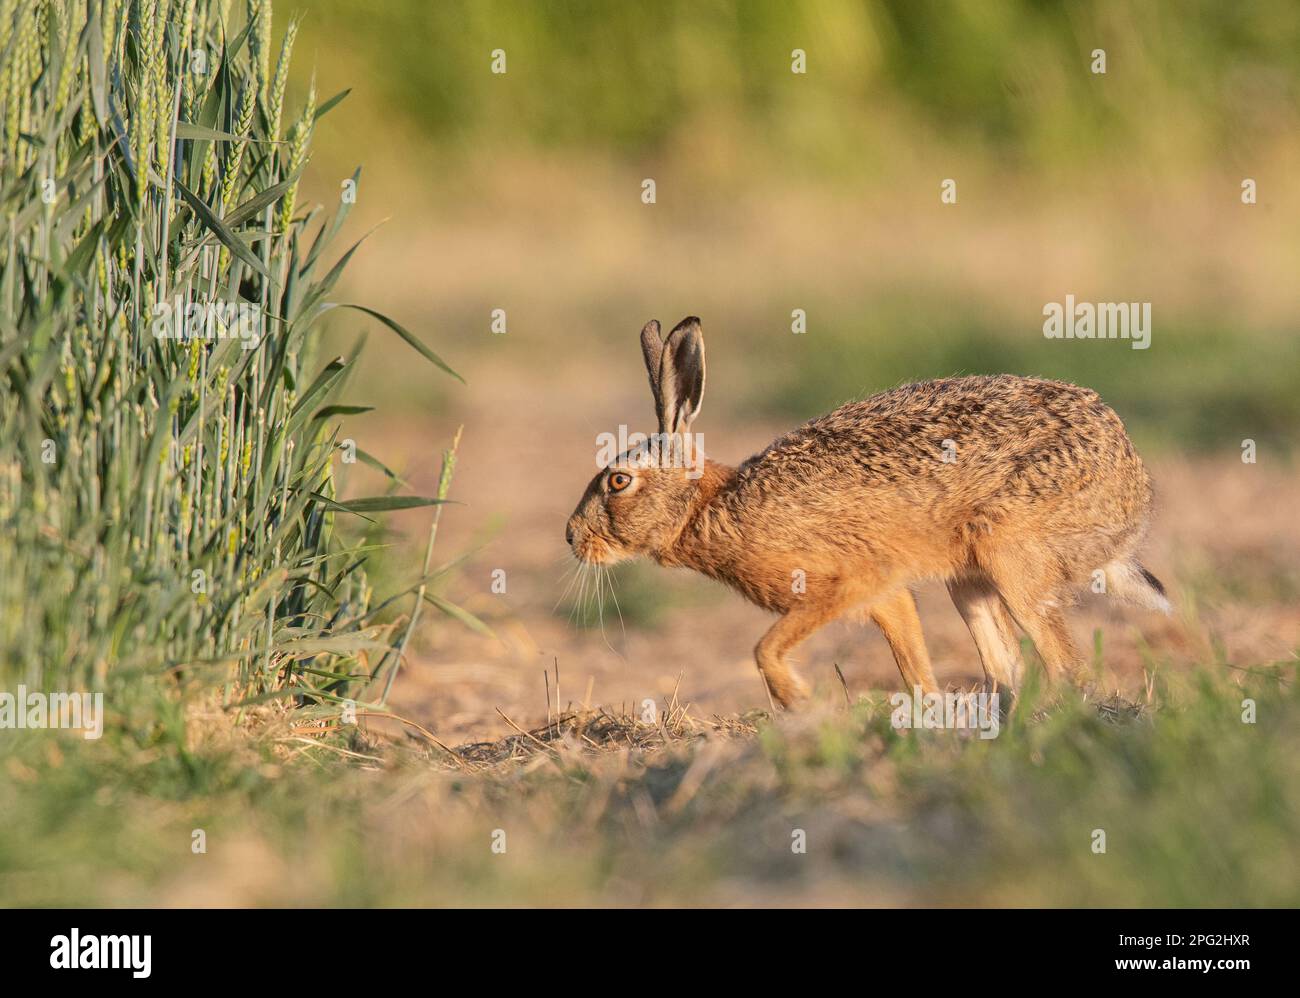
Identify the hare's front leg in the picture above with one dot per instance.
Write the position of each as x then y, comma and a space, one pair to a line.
799, 621
896, 617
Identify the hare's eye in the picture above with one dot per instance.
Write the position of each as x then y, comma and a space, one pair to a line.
619, 480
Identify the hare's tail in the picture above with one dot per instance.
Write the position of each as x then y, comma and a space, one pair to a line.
1130, 582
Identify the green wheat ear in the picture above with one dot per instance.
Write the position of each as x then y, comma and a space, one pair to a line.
298, 152
282, 75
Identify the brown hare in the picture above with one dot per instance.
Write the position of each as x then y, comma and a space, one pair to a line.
1013, 491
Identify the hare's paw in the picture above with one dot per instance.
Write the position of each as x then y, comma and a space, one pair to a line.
786, 687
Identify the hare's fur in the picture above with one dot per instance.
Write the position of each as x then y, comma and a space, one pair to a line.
1015, 492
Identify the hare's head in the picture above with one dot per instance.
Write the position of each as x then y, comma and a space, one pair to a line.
639, 503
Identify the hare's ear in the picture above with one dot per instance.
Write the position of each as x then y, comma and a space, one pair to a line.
652, 349
681, 377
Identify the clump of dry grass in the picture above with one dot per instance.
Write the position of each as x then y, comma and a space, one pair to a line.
596, 729
573, 730
1118, 708
588, 730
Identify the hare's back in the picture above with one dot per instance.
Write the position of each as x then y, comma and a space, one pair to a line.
984, 436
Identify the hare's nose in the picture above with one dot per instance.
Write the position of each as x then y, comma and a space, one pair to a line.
568, 533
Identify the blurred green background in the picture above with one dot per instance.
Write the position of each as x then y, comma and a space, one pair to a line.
1184, 80
821, 191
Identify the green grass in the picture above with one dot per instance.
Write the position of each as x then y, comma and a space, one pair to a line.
1198, 808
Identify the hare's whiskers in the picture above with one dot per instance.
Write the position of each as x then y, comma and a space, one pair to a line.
571, 574
607, 577
617, 609
580, 606
576, 605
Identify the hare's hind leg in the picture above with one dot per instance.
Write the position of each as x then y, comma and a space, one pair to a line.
1030, 590
986, 617
896, 617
